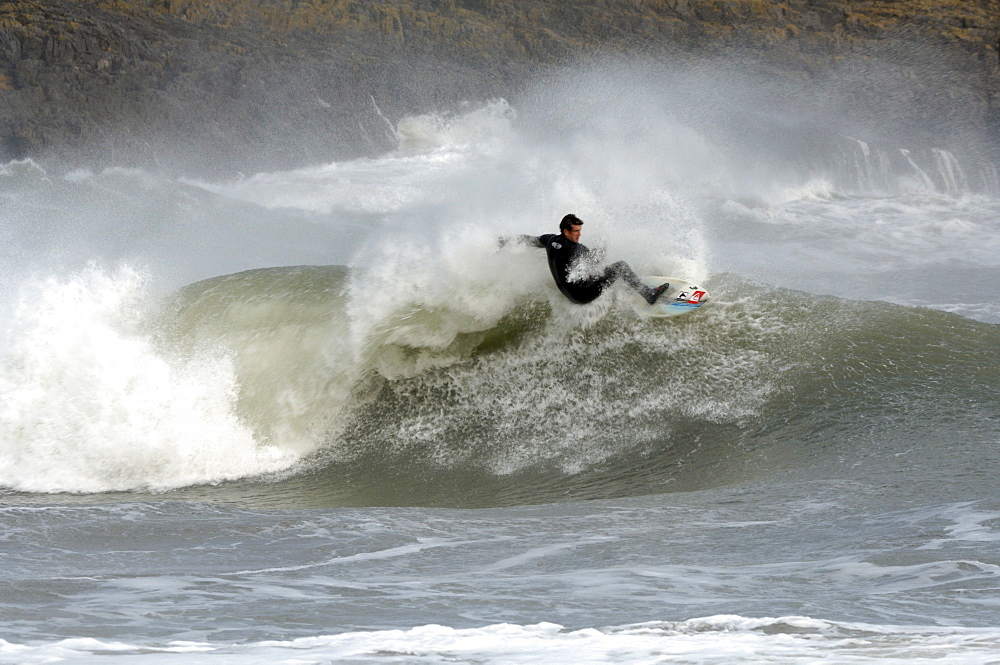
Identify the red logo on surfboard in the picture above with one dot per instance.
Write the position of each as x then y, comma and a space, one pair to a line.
696, 296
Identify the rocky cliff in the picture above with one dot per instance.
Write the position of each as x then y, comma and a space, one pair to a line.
280, 82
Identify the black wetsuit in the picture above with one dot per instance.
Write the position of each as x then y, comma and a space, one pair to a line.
564, 255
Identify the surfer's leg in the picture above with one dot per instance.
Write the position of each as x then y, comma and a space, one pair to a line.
620, 269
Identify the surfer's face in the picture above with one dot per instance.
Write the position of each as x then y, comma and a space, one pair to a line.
573, 233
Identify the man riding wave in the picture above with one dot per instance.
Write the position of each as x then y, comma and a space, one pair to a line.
568, 258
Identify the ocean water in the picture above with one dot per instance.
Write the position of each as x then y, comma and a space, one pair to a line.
321, 416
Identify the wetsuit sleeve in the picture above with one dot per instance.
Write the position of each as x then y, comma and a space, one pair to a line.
531, 241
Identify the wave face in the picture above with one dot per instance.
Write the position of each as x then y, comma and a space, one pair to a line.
445, 404
440, 400
351, 333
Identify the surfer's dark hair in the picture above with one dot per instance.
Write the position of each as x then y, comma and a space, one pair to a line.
570, 220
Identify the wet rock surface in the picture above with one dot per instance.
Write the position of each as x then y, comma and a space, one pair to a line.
217, 83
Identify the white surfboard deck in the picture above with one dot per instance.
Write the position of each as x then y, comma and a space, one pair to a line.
682, 297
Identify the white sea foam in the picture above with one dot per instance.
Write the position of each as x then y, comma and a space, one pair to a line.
435, 153
90, 404
477, 125
714, 640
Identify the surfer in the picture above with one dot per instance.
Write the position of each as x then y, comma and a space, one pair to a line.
569, 259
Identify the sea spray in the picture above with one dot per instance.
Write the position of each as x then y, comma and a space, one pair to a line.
89, 404
297, 359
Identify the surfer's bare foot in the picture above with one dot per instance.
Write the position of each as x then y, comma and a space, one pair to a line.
654, 294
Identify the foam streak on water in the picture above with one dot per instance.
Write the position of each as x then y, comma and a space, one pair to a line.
706, 575
715, 640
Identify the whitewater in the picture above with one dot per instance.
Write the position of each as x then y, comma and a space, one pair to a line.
323, 415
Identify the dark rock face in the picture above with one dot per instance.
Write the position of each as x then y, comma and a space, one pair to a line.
239, 84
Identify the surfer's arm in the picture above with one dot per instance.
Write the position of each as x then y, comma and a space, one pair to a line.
530, 241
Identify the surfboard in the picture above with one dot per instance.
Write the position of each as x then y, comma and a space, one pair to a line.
682, 297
